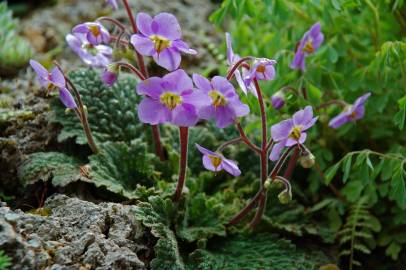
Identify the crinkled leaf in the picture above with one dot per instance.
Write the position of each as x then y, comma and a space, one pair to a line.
112, 111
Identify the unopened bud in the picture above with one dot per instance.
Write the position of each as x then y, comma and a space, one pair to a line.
85, 108
285, 196
307, 161
267, 184
278, 100
278, 183
110, 74
68, 111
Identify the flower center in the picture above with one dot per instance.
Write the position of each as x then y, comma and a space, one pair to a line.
160, 42
215, 161
261, 68
217, 98
170, 100
353, 115
296, 132
308, 47
94, 29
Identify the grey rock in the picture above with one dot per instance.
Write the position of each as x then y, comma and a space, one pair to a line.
77, 235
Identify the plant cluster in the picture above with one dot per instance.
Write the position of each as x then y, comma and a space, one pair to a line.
214, 116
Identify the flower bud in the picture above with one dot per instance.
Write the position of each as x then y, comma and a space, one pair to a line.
110, 74
285, 196
267, 184
307, 161
278, 100
278, 183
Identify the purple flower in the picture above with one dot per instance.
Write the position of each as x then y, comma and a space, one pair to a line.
291, 131
110, 74
308, 44
224, 104
351, 113
112, 3
95, 32
95, 56
170, 99
233, 59
215, 162
262, 69
278, 100
52, 80
160, 37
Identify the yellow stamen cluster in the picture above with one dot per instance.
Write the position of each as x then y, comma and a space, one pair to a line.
217, 98
94, 29
170, 100
215, 160
296, 132
261, 68
160, 43
308, 47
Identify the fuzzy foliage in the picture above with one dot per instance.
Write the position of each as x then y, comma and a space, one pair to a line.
262, 251
124, 169
112, 111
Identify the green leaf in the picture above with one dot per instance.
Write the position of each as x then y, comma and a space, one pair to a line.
352, 190
157, 215
347, 167
393, 250
112, 111
118, 167
400, 117
398, 192
331, 172
261, 251
62, 169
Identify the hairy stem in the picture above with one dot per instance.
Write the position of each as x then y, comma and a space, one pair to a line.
132, 69
81, 112
157, 140
292, 163
227, 143
245, 139
140, 59
263, 155
183, 137
236, 66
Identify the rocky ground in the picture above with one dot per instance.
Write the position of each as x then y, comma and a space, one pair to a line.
68, 233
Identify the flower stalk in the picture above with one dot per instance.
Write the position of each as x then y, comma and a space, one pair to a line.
183, 138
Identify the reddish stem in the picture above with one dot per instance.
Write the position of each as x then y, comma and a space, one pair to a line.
246, 140
280, 163
236, 66
183, 138
240, 215
158, 146
132, 69
140, 59
263, 155
292, 163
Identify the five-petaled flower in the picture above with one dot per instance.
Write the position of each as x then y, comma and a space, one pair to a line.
262, 69
224, 104
291, 131
160, 37
52, 80
170, 99
92, 55
94, 32
216, 162
232, 59
308, 44
351, 113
